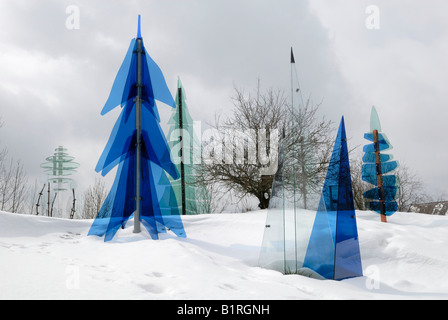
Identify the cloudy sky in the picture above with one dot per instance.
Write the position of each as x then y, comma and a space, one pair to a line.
55, 79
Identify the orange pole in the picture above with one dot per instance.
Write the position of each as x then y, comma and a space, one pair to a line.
379, 176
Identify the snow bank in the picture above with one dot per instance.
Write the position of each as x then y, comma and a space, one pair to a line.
50, 258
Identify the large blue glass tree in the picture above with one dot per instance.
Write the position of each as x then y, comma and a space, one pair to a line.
139, 148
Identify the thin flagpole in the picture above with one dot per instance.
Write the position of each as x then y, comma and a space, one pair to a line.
294, 157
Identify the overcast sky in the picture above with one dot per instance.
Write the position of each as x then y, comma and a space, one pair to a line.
55, 80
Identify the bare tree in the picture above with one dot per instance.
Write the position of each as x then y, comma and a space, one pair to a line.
246, 145
411, 188
13, 186
19, 187
13, 182
5, 185
94, 198
358, 185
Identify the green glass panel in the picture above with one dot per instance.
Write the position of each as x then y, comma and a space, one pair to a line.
374, 121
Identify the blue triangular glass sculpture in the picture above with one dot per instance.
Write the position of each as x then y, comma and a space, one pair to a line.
333, 249
139, 78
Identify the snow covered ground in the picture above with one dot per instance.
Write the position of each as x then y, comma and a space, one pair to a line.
49, 258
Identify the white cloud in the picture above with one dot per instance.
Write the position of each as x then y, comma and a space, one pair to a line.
401, 69
54, 81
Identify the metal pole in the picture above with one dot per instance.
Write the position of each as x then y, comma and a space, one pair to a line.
182, 167
294, 157
48, 200
379, 176
138, 127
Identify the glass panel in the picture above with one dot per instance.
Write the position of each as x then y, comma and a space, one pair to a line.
320, 254
389, 193
116, 94
374, 121
383, 143
272, 255
369, 157
370, 169
390, 206
121, 140
161, 91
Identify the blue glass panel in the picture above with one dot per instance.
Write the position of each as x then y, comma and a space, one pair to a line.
320, 253
388, 180
130, 88
115, 210
116, 94
371, 147
370, 169
383, 143
389, 193
123, 206
369, 157
151, 203
99, 226
120, 142
390, 206
161, 91
382, 138
156, 146
347, 252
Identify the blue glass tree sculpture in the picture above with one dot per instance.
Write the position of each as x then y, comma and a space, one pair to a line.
376, 164
139, 148
333, 249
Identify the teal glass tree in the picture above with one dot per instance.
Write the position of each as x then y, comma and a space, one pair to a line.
59, 167
377, 169
191, 195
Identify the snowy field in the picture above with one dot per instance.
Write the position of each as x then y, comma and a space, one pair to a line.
49, 258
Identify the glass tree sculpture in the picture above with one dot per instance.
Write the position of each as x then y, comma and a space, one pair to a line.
190, 195
376, 165
59, 167
139, 148
333, 249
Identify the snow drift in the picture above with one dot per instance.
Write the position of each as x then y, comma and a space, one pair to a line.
50, 258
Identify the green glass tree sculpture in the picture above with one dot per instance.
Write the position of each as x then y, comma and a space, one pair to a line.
59, 167
185, 151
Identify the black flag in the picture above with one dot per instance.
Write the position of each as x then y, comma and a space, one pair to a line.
292, 57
